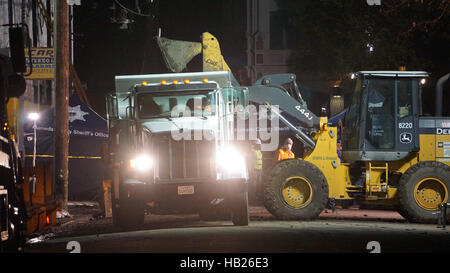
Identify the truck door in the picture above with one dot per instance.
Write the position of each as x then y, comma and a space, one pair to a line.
407, 114
380, 115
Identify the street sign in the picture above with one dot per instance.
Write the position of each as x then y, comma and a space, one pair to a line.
43, 61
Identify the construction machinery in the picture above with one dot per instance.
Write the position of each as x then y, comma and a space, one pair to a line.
170, 148
27, 203
12, 204
391, 154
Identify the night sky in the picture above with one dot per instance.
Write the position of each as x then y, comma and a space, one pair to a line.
103, 50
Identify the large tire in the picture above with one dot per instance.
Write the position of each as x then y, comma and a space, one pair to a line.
239, 209
297, 190
421, 188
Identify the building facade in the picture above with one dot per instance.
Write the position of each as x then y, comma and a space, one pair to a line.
38, 96
268, 40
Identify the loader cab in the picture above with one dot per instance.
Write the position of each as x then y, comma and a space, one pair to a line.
382, 121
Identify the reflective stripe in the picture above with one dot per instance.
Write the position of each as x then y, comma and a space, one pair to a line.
258, 161
4, 139
70, 156
282, 154
4, 160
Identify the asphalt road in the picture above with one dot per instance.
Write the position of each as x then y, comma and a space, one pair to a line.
338, 231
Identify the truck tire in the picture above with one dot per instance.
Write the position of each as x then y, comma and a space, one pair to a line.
239, 209
130, 212
421, 189
297, 190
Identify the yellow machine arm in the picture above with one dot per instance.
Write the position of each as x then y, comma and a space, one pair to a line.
177, 54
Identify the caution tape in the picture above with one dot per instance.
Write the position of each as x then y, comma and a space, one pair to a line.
70, 156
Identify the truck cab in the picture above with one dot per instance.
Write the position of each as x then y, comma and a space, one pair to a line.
171, 146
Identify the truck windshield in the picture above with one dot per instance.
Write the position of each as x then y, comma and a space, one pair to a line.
153, 105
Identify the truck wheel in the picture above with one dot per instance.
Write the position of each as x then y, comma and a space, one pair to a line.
421, 189
239, 209
297, 190
130, 213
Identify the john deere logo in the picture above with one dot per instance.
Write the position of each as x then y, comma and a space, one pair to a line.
405, 138
441, 131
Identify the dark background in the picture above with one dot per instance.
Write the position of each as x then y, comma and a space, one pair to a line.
322, 29
103, 50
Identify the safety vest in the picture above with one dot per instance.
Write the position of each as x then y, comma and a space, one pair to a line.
282, 154
258, 161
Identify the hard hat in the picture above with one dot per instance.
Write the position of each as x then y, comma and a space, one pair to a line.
257, 141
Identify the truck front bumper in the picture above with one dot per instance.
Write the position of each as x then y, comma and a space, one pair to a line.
168, 196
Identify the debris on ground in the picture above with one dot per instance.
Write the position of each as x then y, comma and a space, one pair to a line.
40, 238
87, 218
62, 214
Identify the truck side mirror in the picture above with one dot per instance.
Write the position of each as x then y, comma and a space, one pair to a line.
105, 153
16, 86
245, 96
17, 48
112, 106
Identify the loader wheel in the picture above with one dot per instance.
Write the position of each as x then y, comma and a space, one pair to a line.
297, 190
239, 209
421, 189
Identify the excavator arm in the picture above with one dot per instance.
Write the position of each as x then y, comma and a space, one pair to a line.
289, 107
177, 54
268, 90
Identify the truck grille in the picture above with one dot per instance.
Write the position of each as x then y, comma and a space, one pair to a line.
184, 159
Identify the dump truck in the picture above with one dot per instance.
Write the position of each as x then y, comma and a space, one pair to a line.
170, 148
391, 154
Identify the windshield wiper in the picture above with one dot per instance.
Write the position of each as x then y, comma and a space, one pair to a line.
202, 116
173, 122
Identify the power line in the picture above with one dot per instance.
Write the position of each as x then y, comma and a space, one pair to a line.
132, 11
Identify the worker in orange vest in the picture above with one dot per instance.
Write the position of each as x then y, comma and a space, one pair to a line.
285, 152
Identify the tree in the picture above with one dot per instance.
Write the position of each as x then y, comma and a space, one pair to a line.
337, 37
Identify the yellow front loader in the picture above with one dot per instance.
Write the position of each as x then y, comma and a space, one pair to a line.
390, 155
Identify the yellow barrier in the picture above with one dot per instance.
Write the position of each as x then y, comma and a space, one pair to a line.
70, 156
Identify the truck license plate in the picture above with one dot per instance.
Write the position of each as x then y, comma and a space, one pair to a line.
183, 190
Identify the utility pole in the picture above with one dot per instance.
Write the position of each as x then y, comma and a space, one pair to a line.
62, 102
10, 12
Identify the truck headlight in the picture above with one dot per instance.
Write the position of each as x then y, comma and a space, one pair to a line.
230, 160
141, 163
